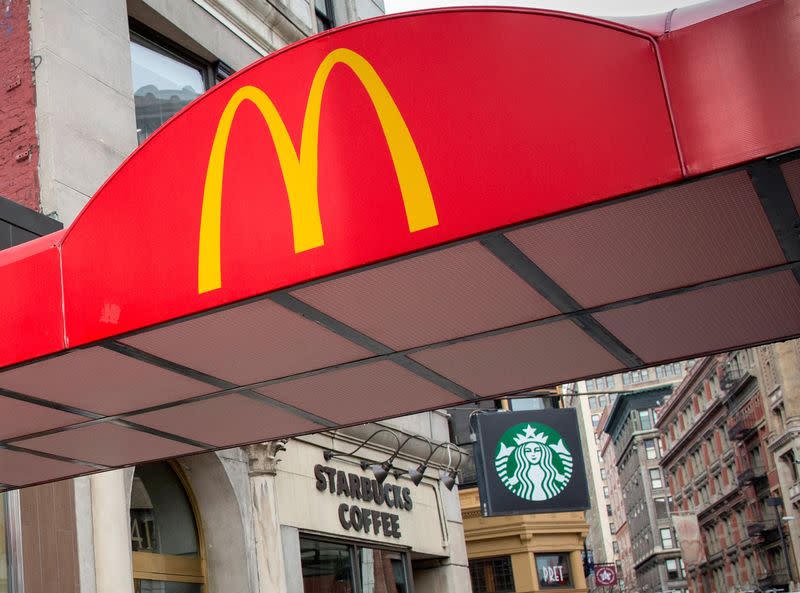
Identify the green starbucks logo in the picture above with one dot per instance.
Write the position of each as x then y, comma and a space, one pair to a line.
533, 462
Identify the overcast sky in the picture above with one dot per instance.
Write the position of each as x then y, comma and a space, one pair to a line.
590, 7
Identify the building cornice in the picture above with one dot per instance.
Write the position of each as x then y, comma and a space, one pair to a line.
782, 440
249, 18
701, 423
687, 385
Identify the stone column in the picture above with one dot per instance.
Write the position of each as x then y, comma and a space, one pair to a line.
787, 357
111, 533
526, 577
266, 523
576, 565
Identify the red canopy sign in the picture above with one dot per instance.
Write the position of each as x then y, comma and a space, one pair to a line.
389, 218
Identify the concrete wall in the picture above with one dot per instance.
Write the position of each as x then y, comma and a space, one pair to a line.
84, 98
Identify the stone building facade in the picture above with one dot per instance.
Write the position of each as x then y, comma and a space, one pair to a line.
636, 442
593, 400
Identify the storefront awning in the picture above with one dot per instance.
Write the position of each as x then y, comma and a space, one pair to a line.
409, 213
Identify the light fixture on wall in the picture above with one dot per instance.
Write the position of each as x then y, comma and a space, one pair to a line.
418, 473
329, 454
381, 470
448, 476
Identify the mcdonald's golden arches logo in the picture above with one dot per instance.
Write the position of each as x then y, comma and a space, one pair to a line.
300, 171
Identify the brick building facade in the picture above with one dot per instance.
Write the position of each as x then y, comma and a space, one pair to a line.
19, 154
719, 468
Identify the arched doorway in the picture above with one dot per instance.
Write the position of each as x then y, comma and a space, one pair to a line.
166, 537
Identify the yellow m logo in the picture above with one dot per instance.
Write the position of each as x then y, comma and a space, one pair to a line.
300, 172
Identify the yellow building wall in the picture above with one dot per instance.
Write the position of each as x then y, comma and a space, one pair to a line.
522, 537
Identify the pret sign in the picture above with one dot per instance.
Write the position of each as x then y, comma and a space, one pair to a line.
530, 462
605, 575
553, 571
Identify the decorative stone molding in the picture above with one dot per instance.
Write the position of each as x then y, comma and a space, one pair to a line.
263, 457
253, 17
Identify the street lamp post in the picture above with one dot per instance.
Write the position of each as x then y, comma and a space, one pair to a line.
777, 503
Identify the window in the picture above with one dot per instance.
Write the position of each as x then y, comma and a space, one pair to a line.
645, 420
595, 420
655, 478
491, 574
605, 491
164, 535
755, 456
615, 546
345, 568
666, 537
603, 473
163, 84
608, 510
601, 401
592, 402
673, 573
553, 571
528, 403
661, 508
650, 449
324, 12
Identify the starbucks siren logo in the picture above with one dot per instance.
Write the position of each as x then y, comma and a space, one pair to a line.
533, 462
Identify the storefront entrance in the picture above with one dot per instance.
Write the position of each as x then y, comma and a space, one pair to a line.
331, 566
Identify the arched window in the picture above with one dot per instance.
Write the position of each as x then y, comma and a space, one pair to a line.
165, 536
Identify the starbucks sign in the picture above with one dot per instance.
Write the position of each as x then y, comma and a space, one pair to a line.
530, 462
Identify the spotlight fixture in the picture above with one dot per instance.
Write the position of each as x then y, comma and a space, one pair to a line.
381, 470
448, 476
418, 473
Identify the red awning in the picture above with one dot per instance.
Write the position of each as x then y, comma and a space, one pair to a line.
409, 213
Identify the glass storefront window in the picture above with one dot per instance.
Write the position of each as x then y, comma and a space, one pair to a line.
333, 567
165, 540
145, 586
163, 84
553, 571
327, 567
493, 575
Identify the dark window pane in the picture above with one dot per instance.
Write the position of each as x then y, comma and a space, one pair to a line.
492, 575
162, 86
325, 17
145, 586
327, 567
